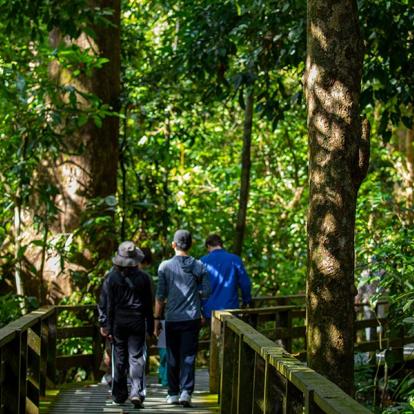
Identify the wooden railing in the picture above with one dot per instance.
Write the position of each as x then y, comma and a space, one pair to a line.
282, 319
257, 376
30, 356
33, 349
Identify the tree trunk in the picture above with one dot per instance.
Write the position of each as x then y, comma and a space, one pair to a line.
245, 174
87, 167
338, 162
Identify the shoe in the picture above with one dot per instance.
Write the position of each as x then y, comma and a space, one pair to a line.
172, 399
185, 399
118, 403
137, 402
107, 380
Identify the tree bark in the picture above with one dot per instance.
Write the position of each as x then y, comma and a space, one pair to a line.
338, 162
245, 174
87, 166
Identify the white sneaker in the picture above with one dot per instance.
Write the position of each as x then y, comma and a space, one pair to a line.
185, 399
172, 399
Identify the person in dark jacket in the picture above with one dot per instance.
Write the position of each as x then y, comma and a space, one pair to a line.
182, 282
125, 315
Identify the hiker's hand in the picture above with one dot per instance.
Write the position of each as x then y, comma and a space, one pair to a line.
104, 332
157, 328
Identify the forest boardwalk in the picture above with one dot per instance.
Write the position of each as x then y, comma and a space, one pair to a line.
97, 399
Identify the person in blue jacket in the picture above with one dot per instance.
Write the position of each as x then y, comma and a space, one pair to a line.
227, 274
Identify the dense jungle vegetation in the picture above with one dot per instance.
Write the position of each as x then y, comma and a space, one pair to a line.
128, 121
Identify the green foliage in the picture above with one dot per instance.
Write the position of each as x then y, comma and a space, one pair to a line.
388, 67
11, 307
186, 69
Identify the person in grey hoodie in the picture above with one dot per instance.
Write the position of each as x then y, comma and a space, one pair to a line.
182, 283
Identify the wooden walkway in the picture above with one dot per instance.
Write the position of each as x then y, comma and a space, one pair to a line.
96, 398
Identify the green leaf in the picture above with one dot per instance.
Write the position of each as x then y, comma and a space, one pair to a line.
111, 201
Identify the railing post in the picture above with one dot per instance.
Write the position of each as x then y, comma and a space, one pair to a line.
229, 371
44, 336
11, 357
245, 378
285, 321
97, 351
21, 350
2, 380
33, 367
214, 355
287, 399
51, 346
310, 406
272, 396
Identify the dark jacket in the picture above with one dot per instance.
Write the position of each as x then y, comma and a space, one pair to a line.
126, 300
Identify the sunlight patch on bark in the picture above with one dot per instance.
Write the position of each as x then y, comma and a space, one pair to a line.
318, 35
326, 263
329, 223
316, 338
335, 100
330, 196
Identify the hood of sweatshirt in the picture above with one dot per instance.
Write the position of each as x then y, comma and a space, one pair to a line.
187, 263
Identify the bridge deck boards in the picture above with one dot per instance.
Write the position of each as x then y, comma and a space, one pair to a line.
96, 398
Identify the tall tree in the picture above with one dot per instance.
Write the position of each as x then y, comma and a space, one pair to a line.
338, 162
245, 174
86, 170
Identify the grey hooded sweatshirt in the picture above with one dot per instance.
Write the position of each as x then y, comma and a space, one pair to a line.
182, 282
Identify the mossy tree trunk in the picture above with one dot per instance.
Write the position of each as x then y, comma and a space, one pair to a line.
338, 162
86, 169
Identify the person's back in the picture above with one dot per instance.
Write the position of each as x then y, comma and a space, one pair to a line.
227, 274
180, 279
125, 313
129, 298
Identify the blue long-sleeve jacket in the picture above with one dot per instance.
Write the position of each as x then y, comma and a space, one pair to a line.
227, 274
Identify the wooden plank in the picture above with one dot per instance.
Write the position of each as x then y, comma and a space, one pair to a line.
11, 366
370, 323
95, 398
258, 387
227, 371
44, 332
7, 335
75, 308
385, 343
71, 361
214, 355
33, 341
264, 311
27, 321
51, 346
285, 321
292, 332
75, 332
245, 378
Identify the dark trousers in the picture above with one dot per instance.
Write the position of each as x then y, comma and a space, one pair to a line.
128, 351
182, 344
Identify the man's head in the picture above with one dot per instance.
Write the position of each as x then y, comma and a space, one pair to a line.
213, 242
182, 240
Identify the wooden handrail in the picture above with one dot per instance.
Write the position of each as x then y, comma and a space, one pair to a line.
29, 360
258, 376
